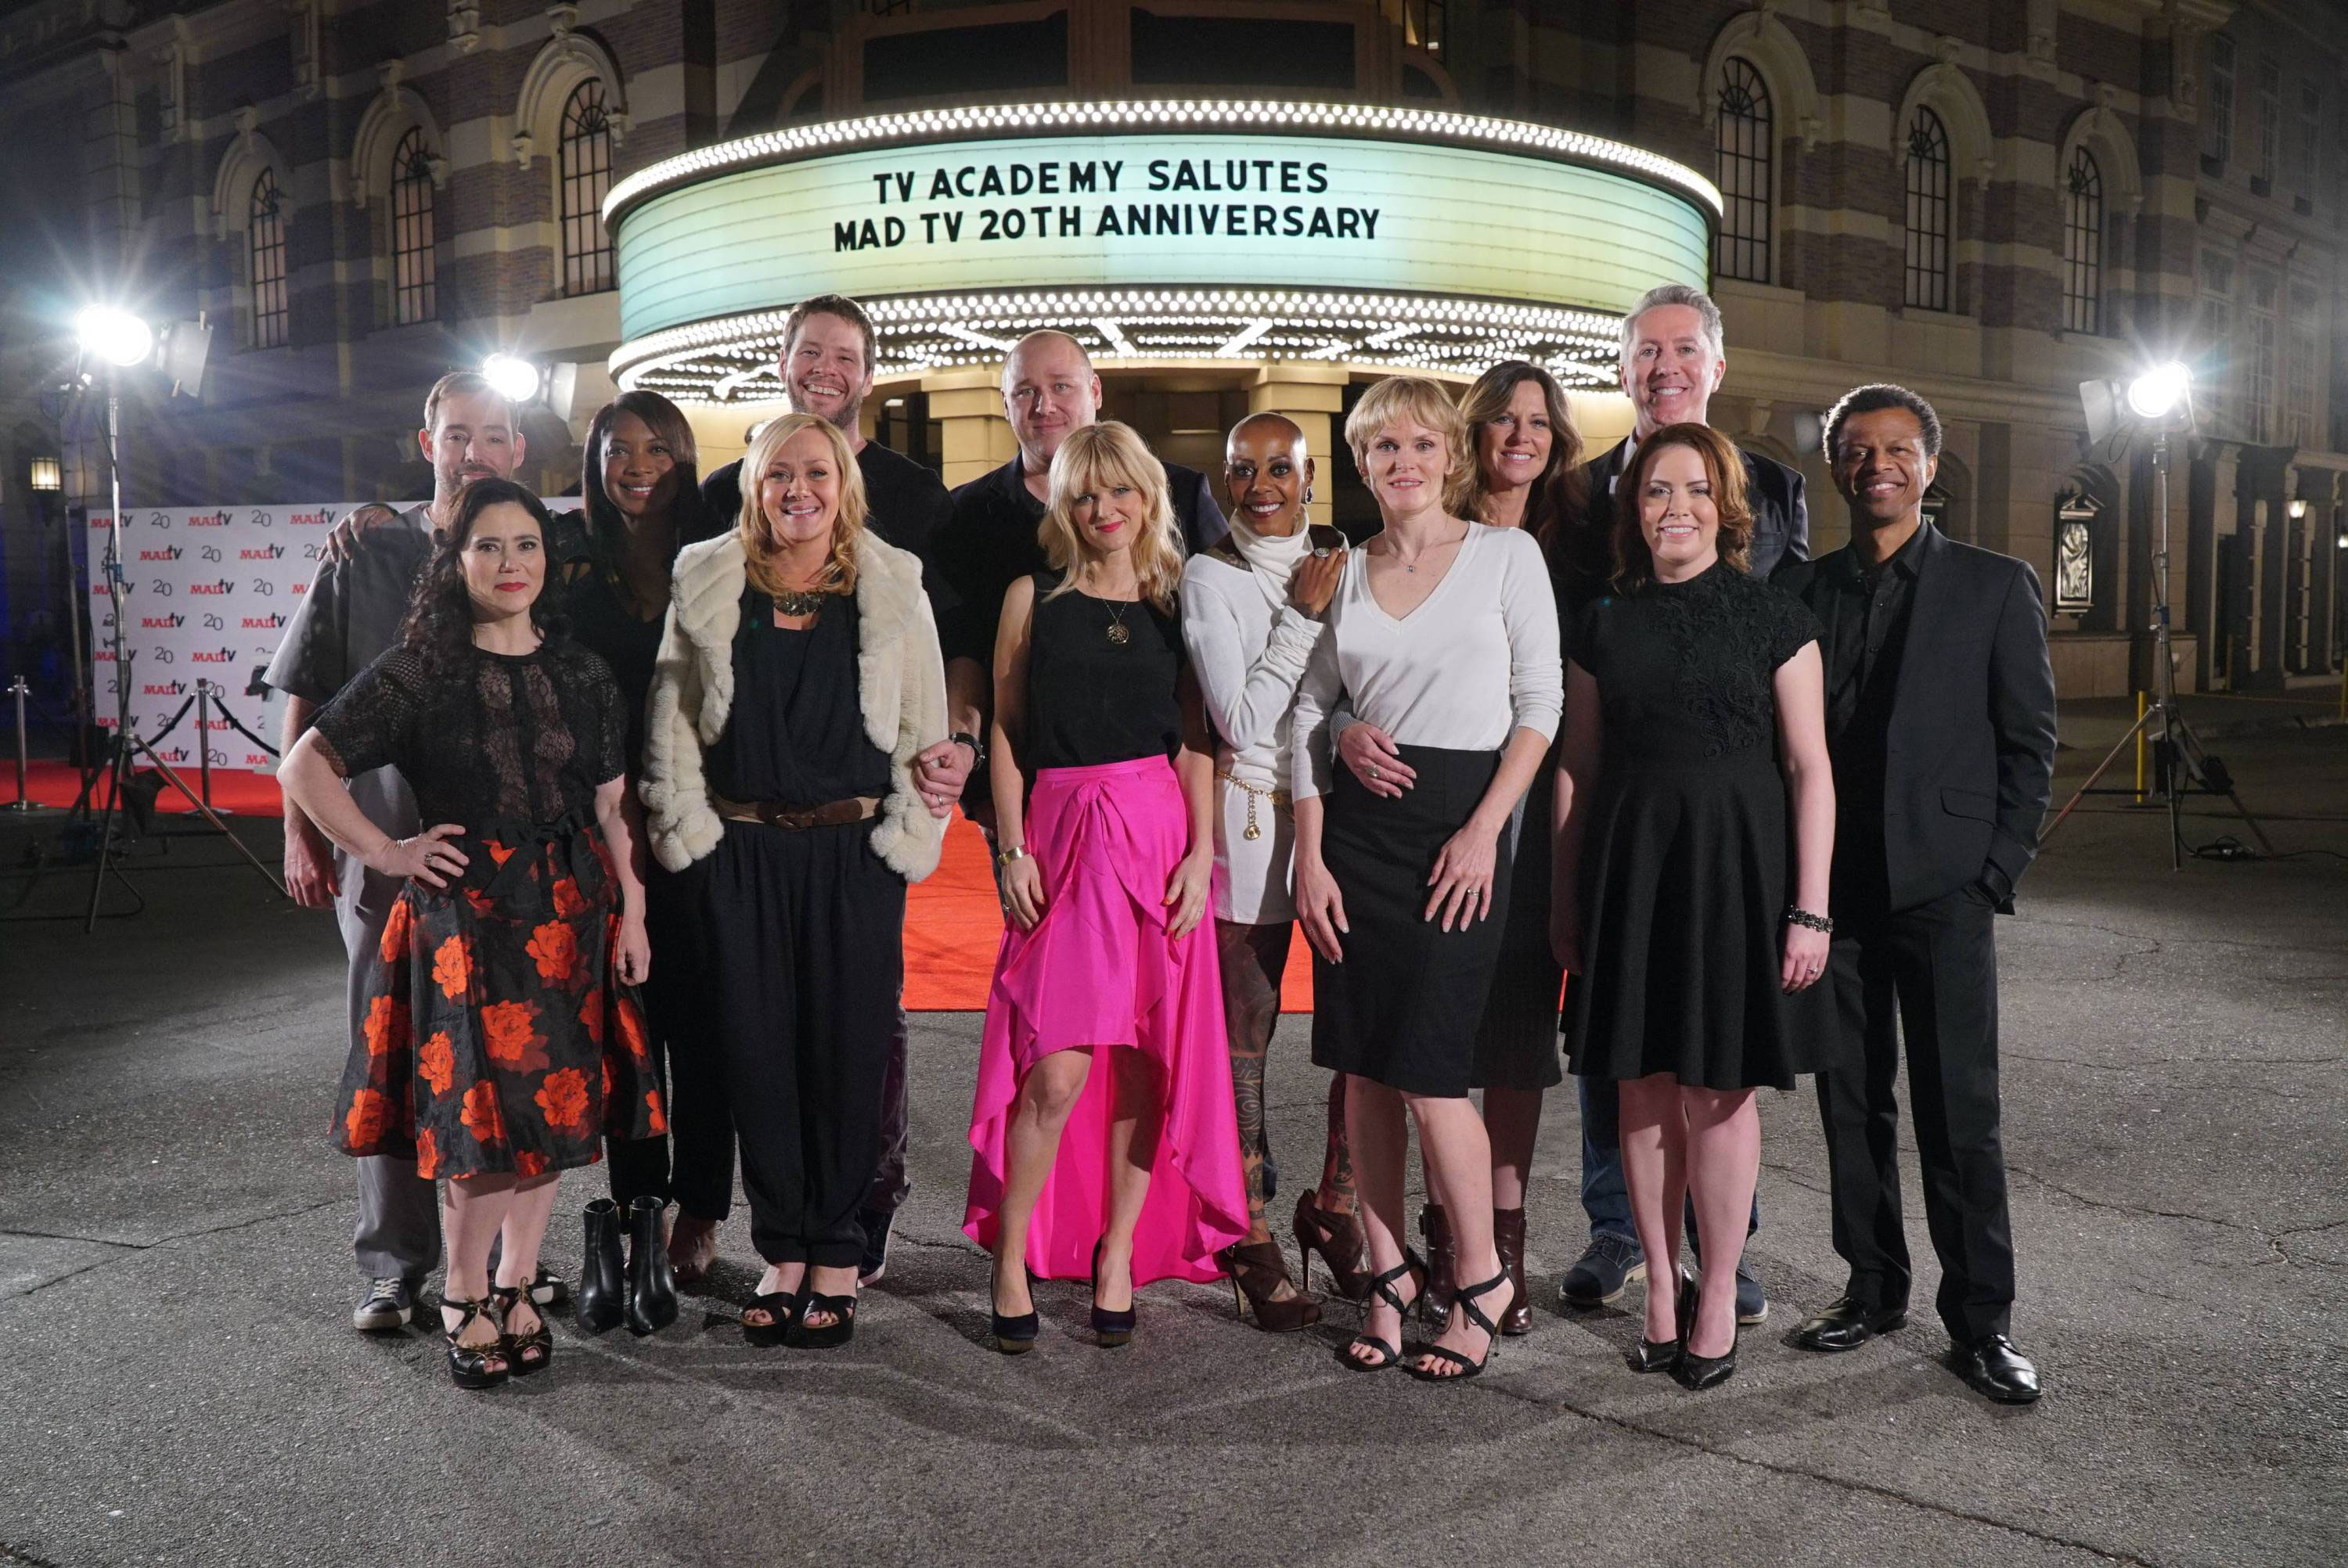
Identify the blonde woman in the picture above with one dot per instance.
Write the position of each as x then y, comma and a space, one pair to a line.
1104, 1139
1443, 634
798, 683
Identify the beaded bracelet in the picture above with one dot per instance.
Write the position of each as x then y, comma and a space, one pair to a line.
1797, 915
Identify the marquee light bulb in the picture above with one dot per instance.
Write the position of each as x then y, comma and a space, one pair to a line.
114, 335
2158, 391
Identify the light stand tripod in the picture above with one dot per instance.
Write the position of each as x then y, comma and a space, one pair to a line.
127, 744
2183, 762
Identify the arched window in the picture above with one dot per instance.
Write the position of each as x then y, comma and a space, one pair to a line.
1744, 142
586, 174
411, 231
266, 231
2083, 245
1929, 211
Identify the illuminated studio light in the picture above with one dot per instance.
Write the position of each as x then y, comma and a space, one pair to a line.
2158, 391
514, 378
114, 335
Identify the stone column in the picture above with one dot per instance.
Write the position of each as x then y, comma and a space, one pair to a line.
967, 406
1312, 395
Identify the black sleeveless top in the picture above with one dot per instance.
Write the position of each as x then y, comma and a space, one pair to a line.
795, 733
1092, 700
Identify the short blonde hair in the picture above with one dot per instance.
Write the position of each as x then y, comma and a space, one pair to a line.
759, 545
1108, 453
1422, 401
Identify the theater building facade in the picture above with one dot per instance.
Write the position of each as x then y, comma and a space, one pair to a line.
1237, 205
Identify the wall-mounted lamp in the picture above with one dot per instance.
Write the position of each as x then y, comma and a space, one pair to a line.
47, 475
2298, 507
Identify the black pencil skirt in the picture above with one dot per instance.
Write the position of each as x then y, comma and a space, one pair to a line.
1402, 1008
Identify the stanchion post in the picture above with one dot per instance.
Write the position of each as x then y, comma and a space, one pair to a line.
204, 739
2139, 748
24, 801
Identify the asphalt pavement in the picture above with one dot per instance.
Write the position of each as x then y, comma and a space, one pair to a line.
180, 1384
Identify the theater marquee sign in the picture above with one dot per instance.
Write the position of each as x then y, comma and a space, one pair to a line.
1158, 232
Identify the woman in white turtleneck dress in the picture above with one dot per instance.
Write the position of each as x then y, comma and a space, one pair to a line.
1251, 614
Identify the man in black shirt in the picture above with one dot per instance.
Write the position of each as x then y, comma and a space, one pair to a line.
1049, 388
1940, 723
350, 615
828, 349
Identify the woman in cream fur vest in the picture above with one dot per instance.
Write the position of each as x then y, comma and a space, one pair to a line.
798, 683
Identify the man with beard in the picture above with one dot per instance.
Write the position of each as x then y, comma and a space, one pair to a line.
828, 349
352, 614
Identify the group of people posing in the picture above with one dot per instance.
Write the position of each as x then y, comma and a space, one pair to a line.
619, 809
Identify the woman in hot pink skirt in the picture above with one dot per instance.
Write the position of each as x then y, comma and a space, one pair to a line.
1104, 1141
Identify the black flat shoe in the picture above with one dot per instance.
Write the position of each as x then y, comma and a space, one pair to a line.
1653, 1356
524, 1353
832, 1334
1013, 1336
1413, 1268
1998, 1372
476, 1365
1111, 1328
1845, 1326
782, 1311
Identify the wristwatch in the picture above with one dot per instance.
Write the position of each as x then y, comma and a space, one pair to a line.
977, 747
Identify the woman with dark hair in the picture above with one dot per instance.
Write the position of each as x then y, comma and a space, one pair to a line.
1525, 474
503, 1038
1692, 869
644, 505
798, 684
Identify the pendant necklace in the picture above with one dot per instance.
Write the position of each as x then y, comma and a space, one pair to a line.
1118, 633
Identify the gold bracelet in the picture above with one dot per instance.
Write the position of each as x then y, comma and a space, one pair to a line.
1003, 857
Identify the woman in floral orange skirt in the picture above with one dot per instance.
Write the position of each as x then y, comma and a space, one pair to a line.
502, 1038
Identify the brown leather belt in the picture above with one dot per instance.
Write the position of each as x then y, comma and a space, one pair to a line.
831, 813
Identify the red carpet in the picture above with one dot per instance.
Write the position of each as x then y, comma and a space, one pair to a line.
951, 921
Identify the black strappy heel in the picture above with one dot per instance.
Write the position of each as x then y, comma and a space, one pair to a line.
1412, 1268
1465, 1301
517, 1348
832, 1334
476, 1365
782, 1311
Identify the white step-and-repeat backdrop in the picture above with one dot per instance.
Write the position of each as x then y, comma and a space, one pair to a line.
211, 591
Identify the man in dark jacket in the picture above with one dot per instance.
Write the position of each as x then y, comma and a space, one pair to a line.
1672, 360
1941, 723
1049, 388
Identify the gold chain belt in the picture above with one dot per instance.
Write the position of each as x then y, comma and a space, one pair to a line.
1279, 797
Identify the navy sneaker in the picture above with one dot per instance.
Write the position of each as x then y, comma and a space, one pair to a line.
875, 1261
1604, 1272
386, 1305
1752, 1302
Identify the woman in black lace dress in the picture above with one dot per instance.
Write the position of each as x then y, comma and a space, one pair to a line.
1691, 888
503, 1038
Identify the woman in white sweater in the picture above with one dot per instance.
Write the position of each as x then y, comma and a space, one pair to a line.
1252, 608
1443, 634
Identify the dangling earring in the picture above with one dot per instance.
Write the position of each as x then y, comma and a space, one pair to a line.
1308, 496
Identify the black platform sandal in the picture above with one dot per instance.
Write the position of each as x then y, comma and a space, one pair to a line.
1465, 1301
1111, 1330
1013, 1336
832, 1334
782, 1311
1412, 1268
524, 1353
476, 1365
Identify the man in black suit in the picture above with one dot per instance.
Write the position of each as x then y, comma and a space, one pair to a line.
988, 542
1941, 723
1673, 360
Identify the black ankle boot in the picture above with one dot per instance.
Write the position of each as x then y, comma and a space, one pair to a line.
652, 1283
603, 1283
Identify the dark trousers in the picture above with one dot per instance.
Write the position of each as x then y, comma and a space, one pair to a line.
699, 1175
803, 937
1930, 973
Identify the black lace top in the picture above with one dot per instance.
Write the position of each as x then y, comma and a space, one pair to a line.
507, 737
1685, 670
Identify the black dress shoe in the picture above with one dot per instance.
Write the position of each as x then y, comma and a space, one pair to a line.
1845, 1326
1997, 1370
